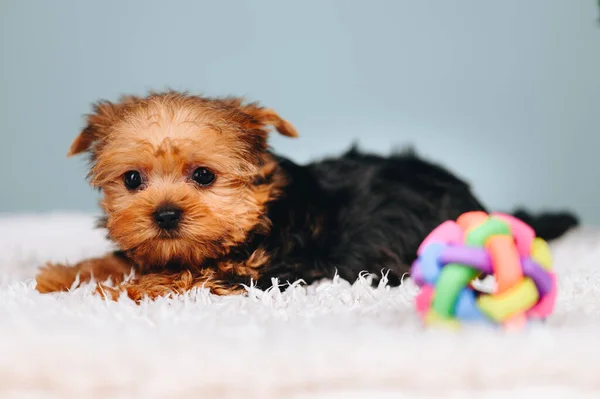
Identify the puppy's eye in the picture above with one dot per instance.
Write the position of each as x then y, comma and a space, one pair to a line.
132, 179
203, 176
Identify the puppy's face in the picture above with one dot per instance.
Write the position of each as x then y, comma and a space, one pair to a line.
184, 178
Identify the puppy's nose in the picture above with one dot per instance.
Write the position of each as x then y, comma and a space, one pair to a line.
167, 218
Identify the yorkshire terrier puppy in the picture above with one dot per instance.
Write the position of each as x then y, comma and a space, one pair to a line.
193, 197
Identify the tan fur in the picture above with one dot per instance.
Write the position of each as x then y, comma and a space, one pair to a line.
153, 285
250, 267
54, 277
166, 136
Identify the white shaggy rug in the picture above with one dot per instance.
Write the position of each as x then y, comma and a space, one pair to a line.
331, 340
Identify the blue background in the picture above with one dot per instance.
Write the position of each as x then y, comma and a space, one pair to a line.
506, 93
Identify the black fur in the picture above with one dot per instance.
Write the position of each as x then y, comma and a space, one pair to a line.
549, 226
365, 213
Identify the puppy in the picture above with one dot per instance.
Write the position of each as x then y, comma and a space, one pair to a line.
194, 198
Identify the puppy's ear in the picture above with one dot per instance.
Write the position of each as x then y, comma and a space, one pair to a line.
269, 117
259, 117
98, 125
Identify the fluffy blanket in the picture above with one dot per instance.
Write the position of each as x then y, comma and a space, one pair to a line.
333, 339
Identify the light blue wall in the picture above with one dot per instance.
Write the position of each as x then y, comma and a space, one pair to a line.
507, 92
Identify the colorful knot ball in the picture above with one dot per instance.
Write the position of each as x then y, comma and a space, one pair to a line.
456, 253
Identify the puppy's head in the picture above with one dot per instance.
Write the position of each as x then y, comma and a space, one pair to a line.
184, 178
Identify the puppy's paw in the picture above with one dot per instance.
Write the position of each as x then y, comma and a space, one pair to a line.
56, 277
53, 278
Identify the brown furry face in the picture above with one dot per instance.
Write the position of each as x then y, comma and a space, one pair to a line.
145, 153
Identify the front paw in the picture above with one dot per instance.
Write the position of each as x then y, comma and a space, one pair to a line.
54, 278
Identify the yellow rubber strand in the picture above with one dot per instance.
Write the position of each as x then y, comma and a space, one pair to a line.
433, 319
517, 299
540, 252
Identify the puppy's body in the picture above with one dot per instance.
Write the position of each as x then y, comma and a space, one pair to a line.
358, 213
194, 198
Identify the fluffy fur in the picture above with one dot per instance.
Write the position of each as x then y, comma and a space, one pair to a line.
263, 217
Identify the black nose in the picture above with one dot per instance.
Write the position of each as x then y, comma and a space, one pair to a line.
167, 218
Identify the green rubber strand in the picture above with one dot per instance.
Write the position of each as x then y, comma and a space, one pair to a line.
453, 278
492, 227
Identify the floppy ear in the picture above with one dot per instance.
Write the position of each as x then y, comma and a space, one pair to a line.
98, 124
268, 116
259, 117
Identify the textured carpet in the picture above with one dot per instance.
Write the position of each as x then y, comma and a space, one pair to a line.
329, 340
